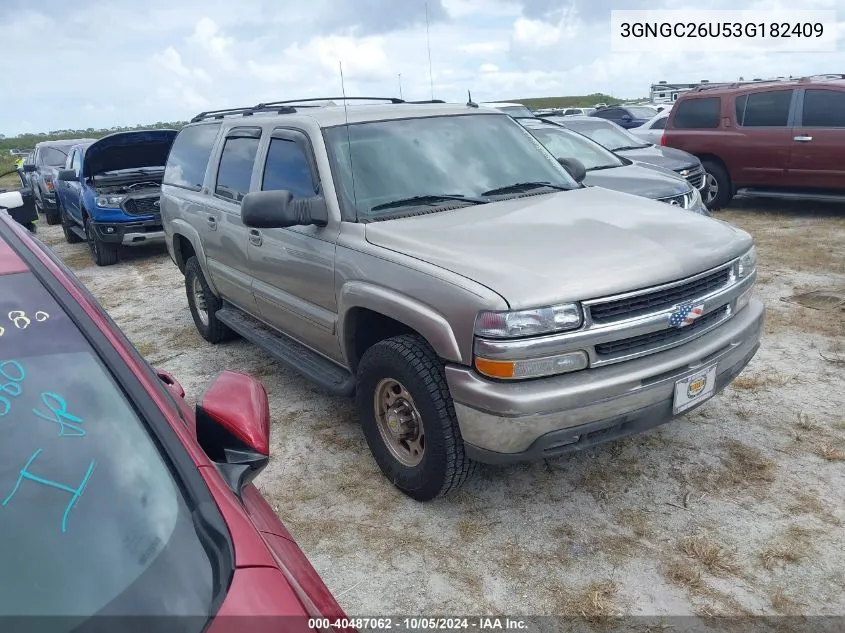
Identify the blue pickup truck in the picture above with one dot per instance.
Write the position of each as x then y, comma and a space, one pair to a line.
108, 192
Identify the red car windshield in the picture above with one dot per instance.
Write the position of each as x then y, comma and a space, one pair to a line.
92, 519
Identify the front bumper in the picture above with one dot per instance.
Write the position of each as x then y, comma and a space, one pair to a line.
130, 233
511, 422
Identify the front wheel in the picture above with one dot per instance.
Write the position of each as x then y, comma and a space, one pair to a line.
104, 253
52, 216
67, 228
408, 418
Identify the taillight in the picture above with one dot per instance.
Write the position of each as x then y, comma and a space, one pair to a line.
48, 182
663, 139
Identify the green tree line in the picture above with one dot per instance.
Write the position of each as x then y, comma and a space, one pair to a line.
28, 141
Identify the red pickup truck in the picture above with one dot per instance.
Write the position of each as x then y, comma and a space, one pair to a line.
777, 139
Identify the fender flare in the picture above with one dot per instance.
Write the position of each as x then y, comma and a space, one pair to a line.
421, 318
184, 230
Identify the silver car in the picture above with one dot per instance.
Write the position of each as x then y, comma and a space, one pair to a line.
438, 264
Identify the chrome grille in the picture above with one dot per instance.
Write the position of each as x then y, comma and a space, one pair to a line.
142, 206
641, 304
661, 338
694, 176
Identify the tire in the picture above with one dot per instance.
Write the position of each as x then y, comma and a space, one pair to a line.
52, 216
407, 366
204, 304
67, 224
103, 253
716, 176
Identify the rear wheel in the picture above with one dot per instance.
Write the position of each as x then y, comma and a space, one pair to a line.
408, 418
67, 227
104, 254
717, 185
204, 304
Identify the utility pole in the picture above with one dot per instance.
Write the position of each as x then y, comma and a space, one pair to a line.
400, 85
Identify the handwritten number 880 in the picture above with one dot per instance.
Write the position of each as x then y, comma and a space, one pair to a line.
13, 372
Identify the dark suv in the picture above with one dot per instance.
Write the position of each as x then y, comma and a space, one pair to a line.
48, 158
780, 139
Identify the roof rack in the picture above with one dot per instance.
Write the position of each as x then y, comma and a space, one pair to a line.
755, 82
287, 106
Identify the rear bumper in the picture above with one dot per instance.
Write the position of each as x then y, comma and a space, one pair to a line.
130, 233
511, 422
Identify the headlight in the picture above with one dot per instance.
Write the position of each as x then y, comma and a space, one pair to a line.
110, 202
747, 263
519, 323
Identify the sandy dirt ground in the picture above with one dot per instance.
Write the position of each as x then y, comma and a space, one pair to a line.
735, 509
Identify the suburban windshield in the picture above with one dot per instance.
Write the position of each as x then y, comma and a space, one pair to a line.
567, 144
54, 156
454, 155
92, 520
606, 134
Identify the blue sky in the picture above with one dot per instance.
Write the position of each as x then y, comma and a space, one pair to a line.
91, 63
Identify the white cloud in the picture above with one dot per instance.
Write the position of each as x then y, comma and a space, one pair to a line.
167, 61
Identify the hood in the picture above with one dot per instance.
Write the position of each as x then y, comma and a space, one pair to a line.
648, 182
666, 157
128, 150
568, 246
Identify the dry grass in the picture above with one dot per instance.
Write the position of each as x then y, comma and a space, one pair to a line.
788, 240
783, 604
762, 381
79, 259
683, 574
802, 502
831, 453
744, 466
798, 319
793, 546
594, 602
708, 553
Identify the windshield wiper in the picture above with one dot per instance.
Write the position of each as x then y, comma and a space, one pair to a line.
624, 147
602, 167
429, 199
518, 187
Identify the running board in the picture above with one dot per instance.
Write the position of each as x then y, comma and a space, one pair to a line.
319, 370
789, 195
79, 232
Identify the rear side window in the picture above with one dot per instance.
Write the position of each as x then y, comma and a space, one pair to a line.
287, 168
698, 114
189, 156
659, 124
824, 108
765, 109
236, 163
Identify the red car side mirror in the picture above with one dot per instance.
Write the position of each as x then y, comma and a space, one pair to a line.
233, 427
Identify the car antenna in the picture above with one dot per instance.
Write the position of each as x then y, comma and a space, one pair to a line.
428, 46
470, 102
348, 139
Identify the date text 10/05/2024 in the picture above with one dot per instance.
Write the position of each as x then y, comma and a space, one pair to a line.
419, 624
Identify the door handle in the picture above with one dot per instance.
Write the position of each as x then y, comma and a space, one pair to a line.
212, 222
803, 139
255, 237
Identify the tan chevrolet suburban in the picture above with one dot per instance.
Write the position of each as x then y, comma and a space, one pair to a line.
439, 264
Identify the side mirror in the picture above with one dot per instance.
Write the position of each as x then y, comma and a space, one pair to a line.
233, 427
280, 210
575, 168
29, 168
11, 200
67, 175
171, 383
